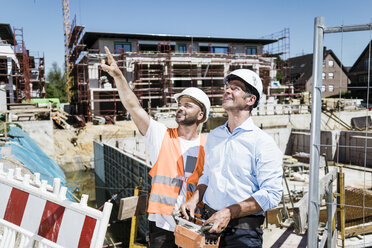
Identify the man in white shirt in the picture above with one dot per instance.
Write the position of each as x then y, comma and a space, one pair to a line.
177, 155
242, 175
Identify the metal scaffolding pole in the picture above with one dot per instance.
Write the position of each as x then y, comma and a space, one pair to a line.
313, 203
312, 239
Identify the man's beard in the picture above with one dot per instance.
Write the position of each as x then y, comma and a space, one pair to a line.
188, 120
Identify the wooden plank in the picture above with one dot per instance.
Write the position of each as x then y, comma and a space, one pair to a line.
300, 215
34, 110
325, 181
300, 210
358, 230
132, 206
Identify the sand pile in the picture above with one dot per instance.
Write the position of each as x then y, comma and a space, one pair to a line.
74, 148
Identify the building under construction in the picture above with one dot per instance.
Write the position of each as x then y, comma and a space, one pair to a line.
22, 74
157, 67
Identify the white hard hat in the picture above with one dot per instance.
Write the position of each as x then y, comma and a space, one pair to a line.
251, 79
197, 95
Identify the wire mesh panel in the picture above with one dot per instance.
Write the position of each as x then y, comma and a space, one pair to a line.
122, 173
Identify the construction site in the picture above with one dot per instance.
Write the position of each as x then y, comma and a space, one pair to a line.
159, 66
76, 174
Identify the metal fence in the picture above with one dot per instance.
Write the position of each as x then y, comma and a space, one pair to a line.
122, 172
316, 146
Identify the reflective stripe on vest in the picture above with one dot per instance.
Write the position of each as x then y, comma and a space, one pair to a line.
168, 172
191, 187
163, 199
167, 180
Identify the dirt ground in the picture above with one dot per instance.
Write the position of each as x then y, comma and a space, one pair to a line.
74, 148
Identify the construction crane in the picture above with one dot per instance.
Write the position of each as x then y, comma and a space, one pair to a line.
67, 32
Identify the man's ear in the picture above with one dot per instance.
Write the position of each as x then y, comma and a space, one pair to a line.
201, 115
251, 100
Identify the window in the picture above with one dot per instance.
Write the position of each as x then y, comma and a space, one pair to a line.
182, 48
223, 50
323, 75
330, 75
363, 78
251, 50
330, 63
213, 49
323, 88
330, 88
121, 47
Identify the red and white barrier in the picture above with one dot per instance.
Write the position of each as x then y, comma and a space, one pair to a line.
33, 213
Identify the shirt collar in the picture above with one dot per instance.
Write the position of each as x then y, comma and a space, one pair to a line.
247, 125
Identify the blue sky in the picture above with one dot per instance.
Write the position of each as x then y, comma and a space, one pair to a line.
42, 21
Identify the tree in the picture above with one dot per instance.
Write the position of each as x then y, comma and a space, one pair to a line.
56, 84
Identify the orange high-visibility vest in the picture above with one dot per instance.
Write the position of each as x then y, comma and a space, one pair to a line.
168, 174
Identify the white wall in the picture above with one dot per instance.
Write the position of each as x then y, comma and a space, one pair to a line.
2, 100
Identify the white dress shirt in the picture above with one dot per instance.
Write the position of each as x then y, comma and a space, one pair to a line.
242, 164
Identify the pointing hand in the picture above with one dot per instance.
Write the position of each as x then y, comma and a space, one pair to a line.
110, 65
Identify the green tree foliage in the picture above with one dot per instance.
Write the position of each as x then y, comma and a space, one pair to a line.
56, 84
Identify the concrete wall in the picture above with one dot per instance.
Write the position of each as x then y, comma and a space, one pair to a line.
346, 116
281, 137
347, 147
355, 147
299, 141
302, 121
42, 133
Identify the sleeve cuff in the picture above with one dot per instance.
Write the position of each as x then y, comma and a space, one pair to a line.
261, 198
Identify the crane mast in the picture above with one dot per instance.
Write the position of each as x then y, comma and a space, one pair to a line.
67, 31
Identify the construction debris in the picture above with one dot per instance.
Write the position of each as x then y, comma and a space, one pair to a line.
60, 121
361, 123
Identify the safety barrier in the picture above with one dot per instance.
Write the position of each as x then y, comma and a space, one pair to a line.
35, 214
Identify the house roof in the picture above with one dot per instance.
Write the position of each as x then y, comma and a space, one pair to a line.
6, 33
360, 57
90, 38
303, 65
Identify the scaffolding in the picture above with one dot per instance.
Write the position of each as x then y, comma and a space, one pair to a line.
22, 71
22, 75
281, 49
155, 74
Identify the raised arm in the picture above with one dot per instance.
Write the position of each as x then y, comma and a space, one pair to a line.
127, 97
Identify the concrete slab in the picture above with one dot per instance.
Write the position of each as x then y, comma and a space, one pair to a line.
283, 237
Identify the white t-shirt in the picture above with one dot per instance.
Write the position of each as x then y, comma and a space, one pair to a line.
189, 148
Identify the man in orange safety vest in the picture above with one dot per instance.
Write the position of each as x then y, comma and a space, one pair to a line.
177, 154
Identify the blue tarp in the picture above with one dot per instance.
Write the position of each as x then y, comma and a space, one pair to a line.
24, 149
